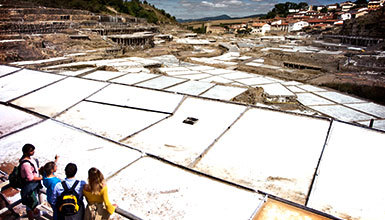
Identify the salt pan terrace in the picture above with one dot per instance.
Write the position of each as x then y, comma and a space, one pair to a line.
174, 147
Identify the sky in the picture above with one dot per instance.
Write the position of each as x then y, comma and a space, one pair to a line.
188, 9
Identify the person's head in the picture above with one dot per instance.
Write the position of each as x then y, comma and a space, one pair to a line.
70, 170
95, 180
28, 150
49, 168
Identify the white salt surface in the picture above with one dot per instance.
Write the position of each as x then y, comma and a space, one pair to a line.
195, 76
58, 97
311, 99
379, 124
271, 67
218, 71
103, 75
201, 68
192, 41
269, 151
109, 121
311, 88
72, 145
254, 81
144, 61
78, 72
276, 89
342, 113
291, 83
138, 98
370, 108
173, 69
23, 82
223, 92
295, 89
191, 87
7, 69
156, 190
339, 98
161, 82
216, 79
237, 75
183, 143
254, 64
350, 181
134, 78
13, 119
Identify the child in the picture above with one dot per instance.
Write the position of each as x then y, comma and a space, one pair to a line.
50, 181
99, 206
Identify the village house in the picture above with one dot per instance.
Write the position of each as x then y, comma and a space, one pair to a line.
260, 28
279, 26
297, 25
359, 12
332, 7
375, 4
346, 6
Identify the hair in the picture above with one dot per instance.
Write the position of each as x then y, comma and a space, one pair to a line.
27, 148
48, 168
95, 180
70, 170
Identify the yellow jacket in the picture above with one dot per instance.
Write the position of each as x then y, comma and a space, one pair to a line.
101, 197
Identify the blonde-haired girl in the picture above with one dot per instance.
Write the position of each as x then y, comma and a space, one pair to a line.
99, 206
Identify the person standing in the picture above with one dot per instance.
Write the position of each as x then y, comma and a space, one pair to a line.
99, 206
29, 171
50, 181
73, 190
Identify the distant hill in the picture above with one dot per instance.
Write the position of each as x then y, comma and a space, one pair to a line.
216, 18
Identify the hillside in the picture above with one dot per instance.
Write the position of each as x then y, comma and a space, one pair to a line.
369, 25
134, 7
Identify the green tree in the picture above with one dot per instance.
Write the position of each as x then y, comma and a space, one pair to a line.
324, 10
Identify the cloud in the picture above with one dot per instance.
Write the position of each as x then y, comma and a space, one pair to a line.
213, 5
